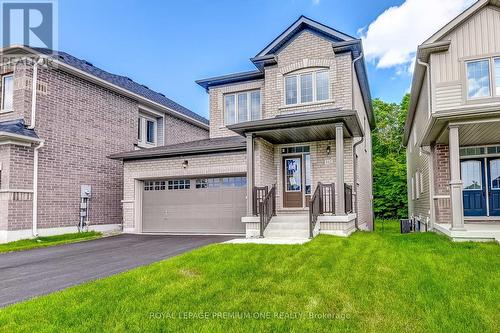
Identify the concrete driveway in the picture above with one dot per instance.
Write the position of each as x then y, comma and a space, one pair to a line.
26, 274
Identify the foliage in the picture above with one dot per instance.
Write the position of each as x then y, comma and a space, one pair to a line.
389, 160
369, 282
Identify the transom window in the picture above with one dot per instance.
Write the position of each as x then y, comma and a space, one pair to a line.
295, 149
472, 175
154, 185
307, 87
146, 130
221, 182
179, 184
7, 93
241, 107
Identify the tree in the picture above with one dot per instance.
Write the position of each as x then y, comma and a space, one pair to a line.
389, 159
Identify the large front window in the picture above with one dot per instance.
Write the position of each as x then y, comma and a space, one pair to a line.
7, 92
241, 107
307, 87
478, 79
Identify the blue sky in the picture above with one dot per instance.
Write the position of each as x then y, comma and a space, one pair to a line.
167, 45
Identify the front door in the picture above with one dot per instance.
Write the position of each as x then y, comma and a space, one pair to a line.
292, 181
494, 186
474, 189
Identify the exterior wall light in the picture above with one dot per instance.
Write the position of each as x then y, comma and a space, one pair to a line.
185, 164
328, 150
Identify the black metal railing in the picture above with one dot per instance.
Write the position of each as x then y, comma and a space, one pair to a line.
348, 198
267, 209
322, 201
259, 193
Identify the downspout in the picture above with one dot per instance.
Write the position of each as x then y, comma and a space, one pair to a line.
33, 93
35, 190
431, 187
355, 166
428, 71
34, 227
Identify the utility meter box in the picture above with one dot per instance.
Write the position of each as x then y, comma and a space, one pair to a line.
86, 191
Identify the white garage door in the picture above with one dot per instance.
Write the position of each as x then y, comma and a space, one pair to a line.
199, 205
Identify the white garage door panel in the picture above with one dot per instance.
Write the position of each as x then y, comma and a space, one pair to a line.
207, 210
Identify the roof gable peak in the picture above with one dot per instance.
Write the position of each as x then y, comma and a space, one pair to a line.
298, 26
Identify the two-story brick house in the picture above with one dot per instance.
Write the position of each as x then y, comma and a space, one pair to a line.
453, 127
60, 118
289, 153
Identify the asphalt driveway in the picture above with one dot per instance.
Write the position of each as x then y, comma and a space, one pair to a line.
26, 274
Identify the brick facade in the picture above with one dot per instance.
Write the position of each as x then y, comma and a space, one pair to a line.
442, 182
82, 124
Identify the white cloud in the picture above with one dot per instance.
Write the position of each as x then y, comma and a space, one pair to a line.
392, 39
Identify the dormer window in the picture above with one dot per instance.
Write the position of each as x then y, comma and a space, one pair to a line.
307, 87
241, 107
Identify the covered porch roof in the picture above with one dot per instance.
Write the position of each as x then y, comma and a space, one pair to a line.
473, 131
302, 127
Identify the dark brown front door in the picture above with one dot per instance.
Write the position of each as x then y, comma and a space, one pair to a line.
292, 181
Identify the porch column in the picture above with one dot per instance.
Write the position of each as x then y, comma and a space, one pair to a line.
457, 205
250, 173
339, 164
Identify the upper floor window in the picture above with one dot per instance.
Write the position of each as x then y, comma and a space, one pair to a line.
7, 92
497, 76
146, 130
478, 79
307, 87
243, 106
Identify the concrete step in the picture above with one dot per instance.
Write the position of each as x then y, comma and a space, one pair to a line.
287, 226
286, 233
290, 219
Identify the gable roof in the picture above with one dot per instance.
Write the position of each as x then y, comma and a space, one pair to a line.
341, 43
296, 27
436, 43
122, 82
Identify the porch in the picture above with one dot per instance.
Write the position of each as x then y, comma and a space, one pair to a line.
471, 231
472, 205
300, 173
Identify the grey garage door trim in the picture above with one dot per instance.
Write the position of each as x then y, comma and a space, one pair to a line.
194, 205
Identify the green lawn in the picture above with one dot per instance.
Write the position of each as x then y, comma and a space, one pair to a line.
369, 282
27, 244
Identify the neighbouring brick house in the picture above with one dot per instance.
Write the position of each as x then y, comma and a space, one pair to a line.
452, 131
288, 142
78, 116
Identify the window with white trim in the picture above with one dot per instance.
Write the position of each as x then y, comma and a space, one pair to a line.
307, 87
412, 188
147, 128
7, 92
241, 107
497, 76
478, 79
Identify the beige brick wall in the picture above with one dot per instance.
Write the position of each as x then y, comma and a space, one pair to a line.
178, 131
265, 168
161, 168
307, 51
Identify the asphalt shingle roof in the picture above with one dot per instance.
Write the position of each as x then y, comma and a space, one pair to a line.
121, 81
232, 143
17, 127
